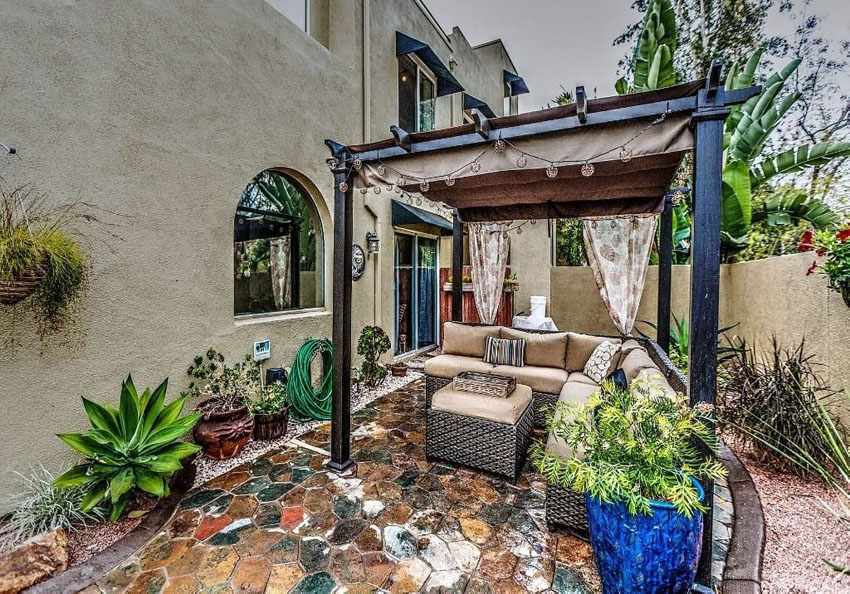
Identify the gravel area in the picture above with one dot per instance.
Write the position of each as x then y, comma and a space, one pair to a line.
208, 468
89, 541
801, 533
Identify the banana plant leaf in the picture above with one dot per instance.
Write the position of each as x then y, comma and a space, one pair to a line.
653, 56
786, 208
796, 159
736, 203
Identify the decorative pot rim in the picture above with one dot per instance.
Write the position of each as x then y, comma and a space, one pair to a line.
661, 505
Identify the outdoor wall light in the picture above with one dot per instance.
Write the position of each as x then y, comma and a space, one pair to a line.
373, 243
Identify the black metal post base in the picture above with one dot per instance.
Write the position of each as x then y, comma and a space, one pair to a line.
341, 468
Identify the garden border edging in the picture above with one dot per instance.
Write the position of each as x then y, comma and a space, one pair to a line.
742, 573
80, 576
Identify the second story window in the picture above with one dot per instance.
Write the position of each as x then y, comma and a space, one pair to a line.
297, 11
417, 95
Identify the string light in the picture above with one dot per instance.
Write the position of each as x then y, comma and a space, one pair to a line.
382, 170
626, 154
475, 167
588, 169
343, 187
332, 163
364, 190
499, 146
551, 171
521, 161
377, 189
450, 181
424, 185
358, 164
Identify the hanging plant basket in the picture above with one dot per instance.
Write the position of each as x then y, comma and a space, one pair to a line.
19, 288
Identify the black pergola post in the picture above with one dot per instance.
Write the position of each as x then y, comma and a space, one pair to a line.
665, 275
457, 269
708, 121
343, 239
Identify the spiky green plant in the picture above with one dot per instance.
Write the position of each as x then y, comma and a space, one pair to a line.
639, 445
133, 446
38, 506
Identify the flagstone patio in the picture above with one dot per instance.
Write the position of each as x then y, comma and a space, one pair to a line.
284, 523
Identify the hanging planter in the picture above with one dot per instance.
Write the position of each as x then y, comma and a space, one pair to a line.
18, 288
39, 261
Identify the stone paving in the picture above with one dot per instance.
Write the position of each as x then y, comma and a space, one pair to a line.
398, 523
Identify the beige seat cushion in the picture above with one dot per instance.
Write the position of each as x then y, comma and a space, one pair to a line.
581, 346
635, 361
541, 379
466, 341
578, 376
500, 410
541, 350
650, 374
448, 366
628, 346
572, 392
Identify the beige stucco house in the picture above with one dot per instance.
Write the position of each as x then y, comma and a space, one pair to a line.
159, 115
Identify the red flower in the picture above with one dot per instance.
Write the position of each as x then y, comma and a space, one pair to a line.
812, 268
806, 241
843, 235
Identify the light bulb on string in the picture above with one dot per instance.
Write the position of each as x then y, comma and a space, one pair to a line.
551, 171
588, 169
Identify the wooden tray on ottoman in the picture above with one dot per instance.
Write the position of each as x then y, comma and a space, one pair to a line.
488, 384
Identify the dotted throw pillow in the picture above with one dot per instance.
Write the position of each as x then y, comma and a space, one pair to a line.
602, 361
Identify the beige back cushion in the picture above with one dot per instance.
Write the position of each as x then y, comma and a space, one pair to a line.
467, 341
634, 362
581, 346
541, 350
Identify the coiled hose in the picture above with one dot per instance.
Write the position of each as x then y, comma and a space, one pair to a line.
308, 403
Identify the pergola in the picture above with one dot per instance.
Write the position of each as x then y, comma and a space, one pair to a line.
603, 157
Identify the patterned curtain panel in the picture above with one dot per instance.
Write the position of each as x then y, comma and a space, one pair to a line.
279, 268
489, 246
618, 250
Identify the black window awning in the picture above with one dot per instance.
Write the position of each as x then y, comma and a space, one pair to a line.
517, 84
404, 214
470, 102
446, 82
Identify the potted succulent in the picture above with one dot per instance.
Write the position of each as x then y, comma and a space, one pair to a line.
834, 247
399, 369
271, 412
227, 424
643, 453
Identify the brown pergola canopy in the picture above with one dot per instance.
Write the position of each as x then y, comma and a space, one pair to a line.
545, 164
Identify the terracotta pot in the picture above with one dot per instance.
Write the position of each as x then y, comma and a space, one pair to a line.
222, 435
271, 426
399, 370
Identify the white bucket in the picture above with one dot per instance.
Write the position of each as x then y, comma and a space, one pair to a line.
538, 307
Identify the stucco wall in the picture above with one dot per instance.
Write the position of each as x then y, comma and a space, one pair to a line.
159, 113
764, 297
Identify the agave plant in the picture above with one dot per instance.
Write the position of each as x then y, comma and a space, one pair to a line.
133, 446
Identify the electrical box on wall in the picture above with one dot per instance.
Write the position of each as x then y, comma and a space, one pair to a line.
262, 350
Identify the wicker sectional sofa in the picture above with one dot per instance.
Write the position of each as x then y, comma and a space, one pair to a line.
553, 369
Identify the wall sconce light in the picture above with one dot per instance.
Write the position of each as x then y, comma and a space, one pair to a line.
373, 243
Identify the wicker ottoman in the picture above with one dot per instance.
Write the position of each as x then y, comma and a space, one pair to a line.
484, 432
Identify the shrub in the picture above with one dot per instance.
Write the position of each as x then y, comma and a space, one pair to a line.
271, 399
40, 507
224, 387
134, 446
640, 446
774, 395
373, 342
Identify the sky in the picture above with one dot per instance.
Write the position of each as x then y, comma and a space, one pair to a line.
569, 42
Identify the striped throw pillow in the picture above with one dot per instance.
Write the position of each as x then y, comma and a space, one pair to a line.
503, 351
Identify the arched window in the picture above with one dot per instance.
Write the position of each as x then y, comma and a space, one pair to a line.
278, 247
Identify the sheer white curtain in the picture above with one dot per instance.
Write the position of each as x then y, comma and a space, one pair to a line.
279, 263
489, 246
618, 250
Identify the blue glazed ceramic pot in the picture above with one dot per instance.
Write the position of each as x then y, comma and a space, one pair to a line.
642, 554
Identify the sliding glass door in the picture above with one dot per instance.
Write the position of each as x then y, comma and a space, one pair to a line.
416, 272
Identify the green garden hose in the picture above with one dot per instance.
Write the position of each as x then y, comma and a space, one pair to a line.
309, 403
